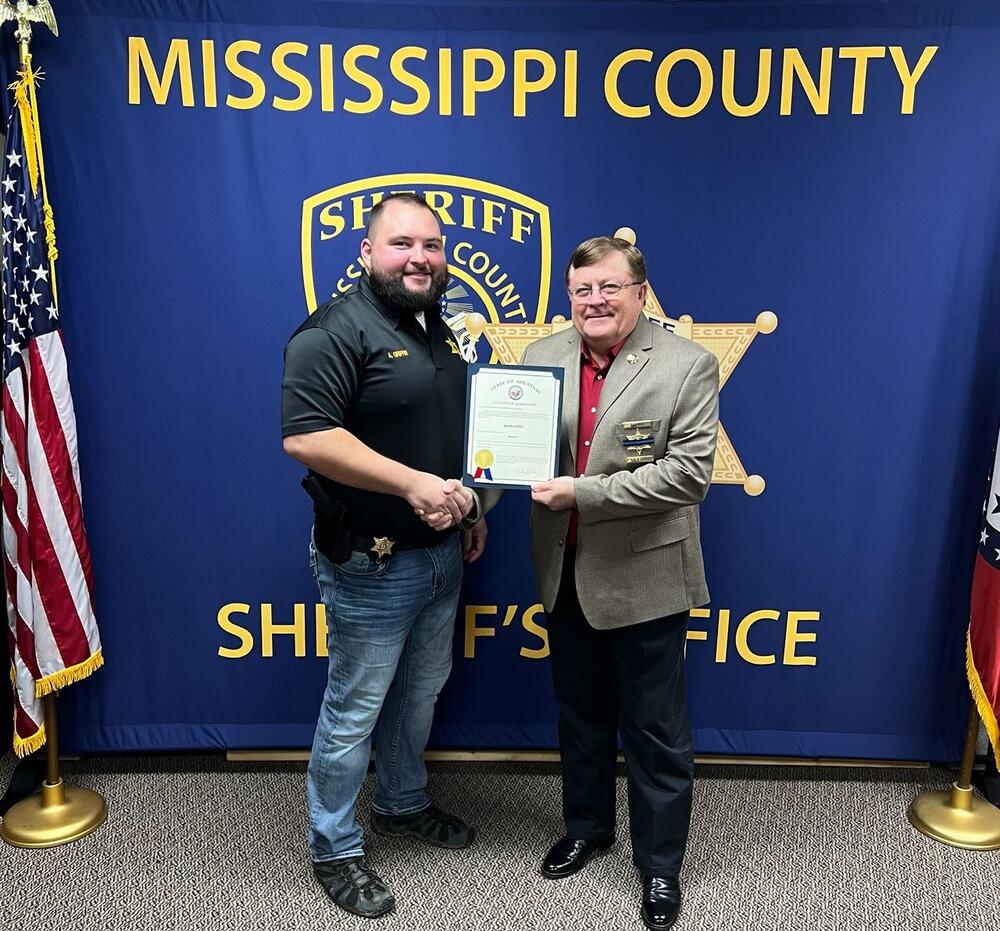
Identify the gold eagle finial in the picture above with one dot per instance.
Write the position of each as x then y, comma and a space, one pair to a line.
24, 14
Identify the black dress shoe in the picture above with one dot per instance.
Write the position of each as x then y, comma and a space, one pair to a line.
569, 856
355, 886
661, 901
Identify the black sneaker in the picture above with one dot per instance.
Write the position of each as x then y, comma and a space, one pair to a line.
430, 825
355, 887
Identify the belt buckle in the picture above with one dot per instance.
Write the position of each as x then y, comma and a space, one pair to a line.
382, 548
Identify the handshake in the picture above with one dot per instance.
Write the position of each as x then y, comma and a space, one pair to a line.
446, 503
439, 504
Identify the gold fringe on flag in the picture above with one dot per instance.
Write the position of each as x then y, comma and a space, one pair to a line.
983, 706
52, 683
25, 745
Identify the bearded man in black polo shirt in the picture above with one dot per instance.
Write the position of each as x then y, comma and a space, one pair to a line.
373, 401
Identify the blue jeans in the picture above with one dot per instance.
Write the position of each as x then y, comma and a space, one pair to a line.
390, 634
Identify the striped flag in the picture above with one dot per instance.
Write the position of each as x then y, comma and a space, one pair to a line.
52, 630
983, 648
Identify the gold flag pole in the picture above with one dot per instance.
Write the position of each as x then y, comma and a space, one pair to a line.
60, 813
957, 816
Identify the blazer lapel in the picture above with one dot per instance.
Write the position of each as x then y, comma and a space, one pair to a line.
638, 344
571, 393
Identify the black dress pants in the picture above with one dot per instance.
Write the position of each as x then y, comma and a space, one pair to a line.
632, 679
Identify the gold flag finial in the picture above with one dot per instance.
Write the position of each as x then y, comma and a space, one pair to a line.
24, 14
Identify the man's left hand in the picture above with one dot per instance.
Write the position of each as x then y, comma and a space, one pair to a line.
557, 494
474, 541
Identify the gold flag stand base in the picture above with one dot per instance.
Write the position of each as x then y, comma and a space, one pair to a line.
59, 814
957, 816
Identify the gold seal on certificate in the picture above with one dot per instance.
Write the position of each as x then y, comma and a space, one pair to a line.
513, 415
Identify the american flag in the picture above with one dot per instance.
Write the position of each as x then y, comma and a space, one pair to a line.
52, 630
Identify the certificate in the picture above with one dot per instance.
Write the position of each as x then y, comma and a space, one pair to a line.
513, 414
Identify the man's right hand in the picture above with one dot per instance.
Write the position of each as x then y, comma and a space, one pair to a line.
440, 503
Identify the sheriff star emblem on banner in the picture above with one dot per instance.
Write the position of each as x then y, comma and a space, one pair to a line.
729, 342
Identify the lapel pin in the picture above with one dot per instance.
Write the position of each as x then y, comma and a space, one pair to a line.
631, 358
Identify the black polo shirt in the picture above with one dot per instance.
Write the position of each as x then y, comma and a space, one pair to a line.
373, 370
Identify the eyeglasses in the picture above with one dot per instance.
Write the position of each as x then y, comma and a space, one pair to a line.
609, 290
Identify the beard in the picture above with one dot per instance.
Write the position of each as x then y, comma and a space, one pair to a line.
392, 291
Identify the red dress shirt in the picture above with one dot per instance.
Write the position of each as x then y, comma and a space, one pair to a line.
591, 382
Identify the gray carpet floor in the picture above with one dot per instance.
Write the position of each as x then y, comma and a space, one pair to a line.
199, 843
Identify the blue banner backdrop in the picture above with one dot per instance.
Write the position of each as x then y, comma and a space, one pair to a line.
815, 187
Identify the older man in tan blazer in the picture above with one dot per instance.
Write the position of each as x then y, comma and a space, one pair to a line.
617, 553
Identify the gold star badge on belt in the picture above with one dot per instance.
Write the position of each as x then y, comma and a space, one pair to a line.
382, 548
